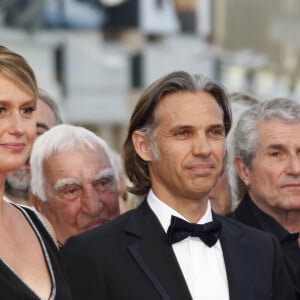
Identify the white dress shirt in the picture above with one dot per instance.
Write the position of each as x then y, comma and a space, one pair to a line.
203, 267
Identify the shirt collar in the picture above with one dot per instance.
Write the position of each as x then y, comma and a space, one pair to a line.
164, 212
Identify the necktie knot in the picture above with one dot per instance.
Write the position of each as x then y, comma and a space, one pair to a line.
180, 229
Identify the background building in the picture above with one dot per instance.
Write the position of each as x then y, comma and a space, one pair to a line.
95, 57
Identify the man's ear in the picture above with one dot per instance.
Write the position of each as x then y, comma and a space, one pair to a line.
37, 203
141, 145
242, 170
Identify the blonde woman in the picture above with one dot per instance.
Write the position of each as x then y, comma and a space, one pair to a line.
29, 261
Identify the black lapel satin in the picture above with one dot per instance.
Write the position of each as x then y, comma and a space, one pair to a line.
239, 257
155, 256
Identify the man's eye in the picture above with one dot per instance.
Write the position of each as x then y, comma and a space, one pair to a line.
70, 192
217, 132
103, 183
181, 133
40, 131
275, 154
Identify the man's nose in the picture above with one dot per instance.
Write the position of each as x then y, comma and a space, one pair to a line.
91, 202
201, 145
293, 166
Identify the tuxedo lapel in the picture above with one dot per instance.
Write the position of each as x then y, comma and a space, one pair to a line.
155, 256
150, 249
239, 257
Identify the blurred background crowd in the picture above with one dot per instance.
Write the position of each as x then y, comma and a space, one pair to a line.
93, 59
96, 56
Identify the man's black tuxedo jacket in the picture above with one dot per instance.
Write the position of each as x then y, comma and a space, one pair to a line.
130, 258
248, 213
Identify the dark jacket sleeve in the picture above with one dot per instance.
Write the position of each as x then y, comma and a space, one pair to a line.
282, 285
83, 271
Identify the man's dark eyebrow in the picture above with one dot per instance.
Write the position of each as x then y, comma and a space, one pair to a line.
276, 146
218, 126
181, 127
42, 125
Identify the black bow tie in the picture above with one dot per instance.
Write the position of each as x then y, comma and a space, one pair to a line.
180, 229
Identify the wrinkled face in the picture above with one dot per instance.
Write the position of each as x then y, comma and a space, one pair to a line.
190, 141
44, 117
17, 125
81, 192
274, 177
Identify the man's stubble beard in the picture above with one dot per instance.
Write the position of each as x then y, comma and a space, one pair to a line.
17, 183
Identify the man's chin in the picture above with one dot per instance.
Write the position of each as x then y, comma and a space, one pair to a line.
19, 179
21, 186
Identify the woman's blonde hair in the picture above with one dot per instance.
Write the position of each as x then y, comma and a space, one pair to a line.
16, 68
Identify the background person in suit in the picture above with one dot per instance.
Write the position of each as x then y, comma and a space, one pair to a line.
174, 154
267, 160
74, 180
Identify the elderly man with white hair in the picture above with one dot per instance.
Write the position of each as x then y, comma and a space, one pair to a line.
74, 180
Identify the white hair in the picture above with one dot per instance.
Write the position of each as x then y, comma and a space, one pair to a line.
61, 139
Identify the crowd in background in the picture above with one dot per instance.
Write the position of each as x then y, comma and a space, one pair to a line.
86, 222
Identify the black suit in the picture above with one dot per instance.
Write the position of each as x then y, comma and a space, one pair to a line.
248, 213
130, 258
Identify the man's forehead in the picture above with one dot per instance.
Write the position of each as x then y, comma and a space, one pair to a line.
86, 162
186, 109
275, 126
276, 133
